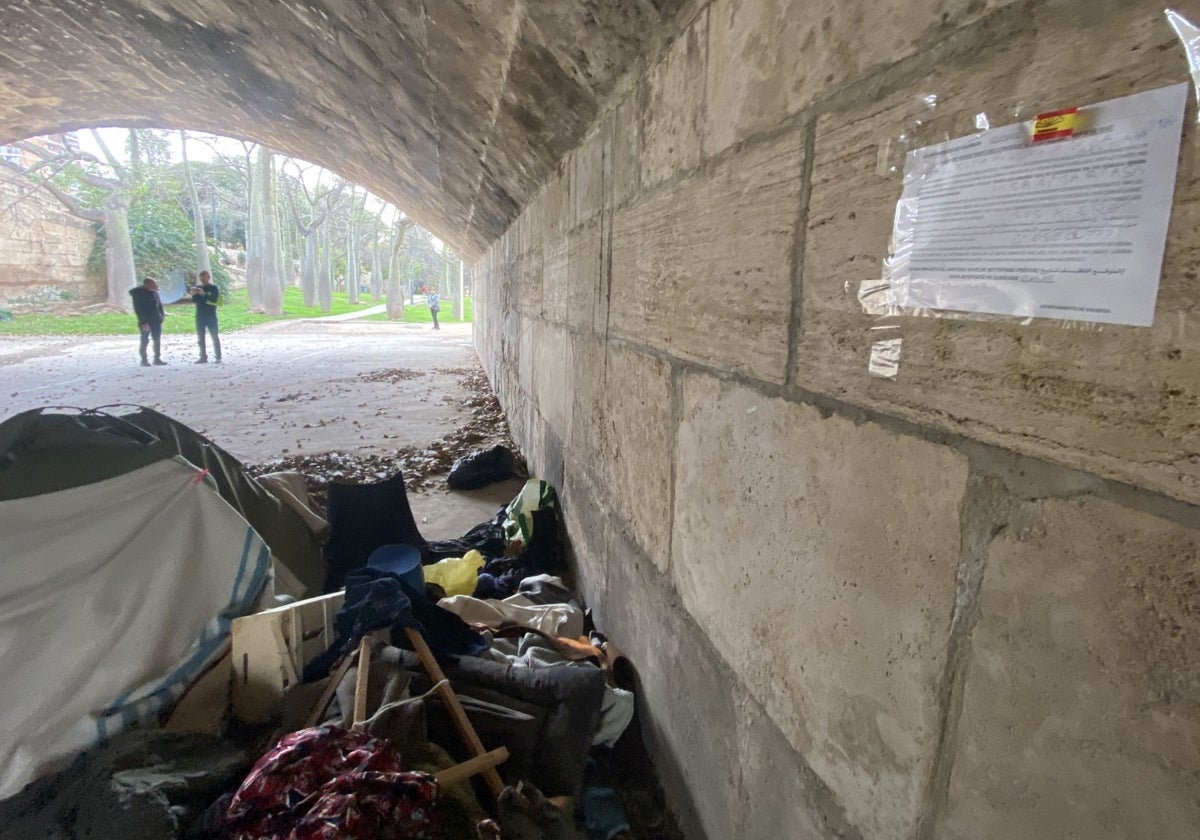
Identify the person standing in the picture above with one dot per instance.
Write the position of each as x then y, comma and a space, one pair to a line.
148, 308
207, 298
432, 300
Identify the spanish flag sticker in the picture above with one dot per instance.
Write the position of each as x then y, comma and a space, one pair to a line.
1054, 125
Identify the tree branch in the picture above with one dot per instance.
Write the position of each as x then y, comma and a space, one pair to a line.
70, 202
108, 155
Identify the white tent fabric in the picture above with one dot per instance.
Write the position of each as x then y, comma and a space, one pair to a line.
113, 598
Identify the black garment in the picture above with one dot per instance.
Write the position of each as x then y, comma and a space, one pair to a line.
206, 318
206, 300
362, 517
434, 312
381, 599
149, 330
147, 306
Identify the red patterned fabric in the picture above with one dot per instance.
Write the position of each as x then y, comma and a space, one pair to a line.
330, 784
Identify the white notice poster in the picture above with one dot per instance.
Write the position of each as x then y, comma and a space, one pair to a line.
1073, 228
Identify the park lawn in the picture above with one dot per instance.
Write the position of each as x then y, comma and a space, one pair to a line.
420, 314
233, 315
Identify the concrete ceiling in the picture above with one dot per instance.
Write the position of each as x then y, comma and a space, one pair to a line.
455, 110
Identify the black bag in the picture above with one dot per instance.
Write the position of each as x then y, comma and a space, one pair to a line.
481, 468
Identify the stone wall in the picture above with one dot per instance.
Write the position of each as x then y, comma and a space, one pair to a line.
43, 251
960, 604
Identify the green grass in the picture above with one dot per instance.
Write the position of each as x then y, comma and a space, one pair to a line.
234, 315
420, 314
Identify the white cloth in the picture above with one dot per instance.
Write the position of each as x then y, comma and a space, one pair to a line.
616, 713
114, 597
551, 619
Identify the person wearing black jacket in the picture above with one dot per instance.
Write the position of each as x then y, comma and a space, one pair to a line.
148, 308
207, 298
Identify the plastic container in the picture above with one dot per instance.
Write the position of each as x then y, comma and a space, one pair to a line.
404, 561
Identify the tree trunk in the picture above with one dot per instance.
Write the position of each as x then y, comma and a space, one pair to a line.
254, 254
202, 262
272, 289
395, 285
325, 275
351, 253
376, 272
118, 252
308, 268
352, 274
457, 311
286, 271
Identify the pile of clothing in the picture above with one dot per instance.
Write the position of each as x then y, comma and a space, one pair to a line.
360, 756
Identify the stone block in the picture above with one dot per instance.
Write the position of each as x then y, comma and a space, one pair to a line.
727, 769
529, 283
556, 289
705, 271
622, 436
591, 165
552, 375
585, 262
626, 148
820, 557
1081, 714
585, 518
637, 470
556, 206
1119, 401
770, 60
673, 108
524, 365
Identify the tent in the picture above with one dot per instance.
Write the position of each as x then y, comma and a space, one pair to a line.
45, 450
130, 543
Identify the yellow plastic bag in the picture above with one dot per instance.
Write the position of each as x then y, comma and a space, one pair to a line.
456, 575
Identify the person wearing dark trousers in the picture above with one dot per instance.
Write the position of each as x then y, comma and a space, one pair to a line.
432, 300
207, 297
148, 308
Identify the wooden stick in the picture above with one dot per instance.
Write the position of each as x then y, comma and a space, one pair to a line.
461, 722
327, 695
479, 764
360, 684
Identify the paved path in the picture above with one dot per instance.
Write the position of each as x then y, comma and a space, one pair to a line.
353, 316
284, 387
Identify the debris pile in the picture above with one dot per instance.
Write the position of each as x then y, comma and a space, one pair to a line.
424, 468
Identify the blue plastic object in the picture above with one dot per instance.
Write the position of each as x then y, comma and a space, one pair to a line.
404, 561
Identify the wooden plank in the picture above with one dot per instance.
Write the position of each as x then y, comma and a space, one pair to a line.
471, 767
457, 714
327, 695
360, 684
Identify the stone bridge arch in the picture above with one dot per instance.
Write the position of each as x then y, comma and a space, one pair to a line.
455, 111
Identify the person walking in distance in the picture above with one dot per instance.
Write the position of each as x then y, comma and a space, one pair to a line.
148, 308
432, 300
207, 298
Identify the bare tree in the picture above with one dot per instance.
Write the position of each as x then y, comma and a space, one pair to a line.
202, 263
395, 285
113, 214
352, 275
272, 290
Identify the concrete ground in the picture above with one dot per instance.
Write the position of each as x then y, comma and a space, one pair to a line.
285, 387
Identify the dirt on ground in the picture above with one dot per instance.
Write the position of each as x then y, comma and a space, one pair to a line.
424, 468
